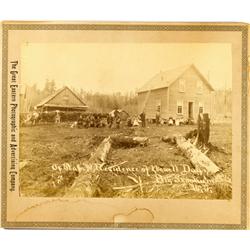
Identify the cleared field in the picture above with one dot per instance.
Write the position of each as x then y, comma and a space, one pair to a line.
50, 157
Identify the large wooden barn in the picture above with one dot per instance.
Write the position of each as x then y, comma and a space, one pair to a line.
181, 92
64, 100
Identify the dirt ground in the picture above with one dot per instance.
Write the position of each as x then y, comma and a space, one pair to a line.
153, 171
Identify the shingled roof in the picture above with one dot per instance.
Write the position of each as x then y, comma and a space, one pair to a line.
166, 78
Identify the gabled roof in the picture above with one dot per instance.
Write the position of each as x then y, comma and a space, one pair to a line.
52, 96
166, 78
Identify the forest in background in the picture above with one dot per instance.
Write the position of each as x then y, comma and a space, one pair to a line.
98, 102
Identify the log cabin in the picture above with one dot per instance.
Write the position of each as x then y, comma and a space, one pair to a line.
179, 93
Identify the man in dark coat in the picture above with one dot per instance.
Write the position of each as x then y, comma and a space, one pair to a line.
117, 119
143, 119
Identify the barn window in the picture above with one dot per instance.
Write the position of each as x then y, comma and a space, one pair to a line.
179, 107
201, 107
182, 85
199, 87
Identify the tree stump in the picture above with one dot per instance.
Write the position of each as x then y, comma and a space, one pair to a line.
203, 130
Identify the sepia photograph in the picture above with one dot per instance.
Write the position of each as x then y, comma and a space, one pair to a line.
124, 125
126, 120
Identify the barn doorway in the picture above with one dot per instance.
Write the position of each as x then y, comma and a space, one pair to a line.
190, 110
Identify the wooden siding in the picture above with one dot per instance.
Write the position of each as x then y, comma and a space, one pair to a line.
60, 99
155, 97
189, 95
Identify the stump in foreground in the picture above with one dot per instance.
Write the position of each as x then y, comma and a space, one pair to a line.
203, 130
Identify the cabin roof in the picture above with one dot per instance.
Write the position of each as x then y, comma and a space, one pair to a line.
46, 100
165, 78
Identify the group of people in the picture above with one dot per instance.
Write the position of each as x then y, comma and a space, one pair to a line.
91, 121
112, 120
135, 121
98, 121
159, 121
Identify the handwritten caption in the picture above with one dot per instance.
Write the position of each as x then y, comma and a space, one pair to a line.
197, 180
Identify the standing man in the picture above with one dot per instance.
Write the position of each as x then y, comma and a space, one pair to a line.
117, 119
157, 117
143, 119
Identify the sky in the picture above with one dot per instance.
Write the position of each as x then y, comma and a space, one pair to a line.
120, 67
